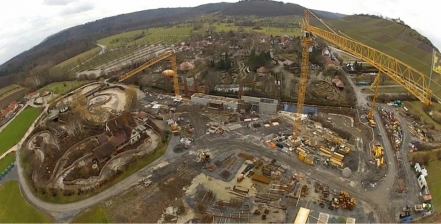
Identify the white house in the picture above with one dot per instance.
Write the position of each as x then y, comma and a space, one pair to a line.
422, 182
420, 169
134, 136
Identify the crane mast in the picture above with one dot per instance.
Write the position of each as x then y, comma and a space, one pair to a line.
306, 45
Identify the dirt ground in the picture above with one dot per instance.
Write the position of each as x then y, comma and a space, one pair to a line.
148, 204
117, 100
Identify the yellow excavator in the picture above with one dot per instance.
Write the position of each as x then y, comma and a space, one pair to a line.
205, 157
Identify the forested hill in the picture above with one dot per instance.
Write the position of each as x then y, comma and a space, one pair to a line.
70, 42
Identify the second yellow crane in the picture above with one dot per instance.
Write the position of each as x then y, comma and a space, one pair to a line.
170, 55
413, 80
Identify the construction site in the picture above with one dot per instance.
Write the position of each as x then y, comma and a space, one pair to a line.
234, 157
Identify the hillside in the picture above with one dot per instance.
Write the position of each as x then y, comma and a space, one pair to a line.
73, 41
395, 39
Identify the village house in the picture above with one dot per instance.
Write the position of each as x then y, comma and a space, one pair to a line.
338, 83
9, 110
32, 95
118, 135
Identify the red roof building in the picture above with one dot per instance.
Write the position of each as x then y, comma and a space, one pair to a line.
8, 110
32, 95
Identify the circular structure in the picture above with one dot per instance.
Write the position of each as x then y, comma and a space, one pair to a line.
168, 73
346, 172
100, 99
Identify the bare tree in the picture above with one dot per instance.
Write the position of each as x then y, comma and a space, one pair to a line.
132, 102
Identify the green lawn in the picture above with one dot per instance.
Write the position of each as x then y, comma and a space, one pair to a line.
416, 108
83, 56
96, 214
6, 161
434, 182
127, 37
15, 209
139, 164
17, 128
62, 87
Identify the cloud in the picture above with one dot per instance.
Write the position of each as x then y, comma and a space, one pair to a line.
78, 8
58, 2
42, 18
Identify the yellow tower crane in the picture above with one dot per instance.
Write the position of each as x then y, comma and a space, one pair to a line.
411, 79
169, 55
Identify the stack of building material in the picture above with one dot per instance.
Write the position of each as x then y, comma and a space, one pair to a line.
346, 201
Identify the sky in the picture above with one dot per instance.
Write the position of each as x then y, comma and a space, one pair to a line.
25, 23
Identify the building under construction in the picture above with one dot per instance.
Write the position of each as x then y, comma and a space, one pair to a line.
215, 102
261, 105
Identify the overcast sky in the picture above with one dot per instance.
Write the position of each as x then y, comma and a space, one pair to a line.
25, 23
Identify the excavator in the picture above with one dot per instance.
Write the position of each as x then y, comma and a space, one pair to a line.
204, 157
411, 79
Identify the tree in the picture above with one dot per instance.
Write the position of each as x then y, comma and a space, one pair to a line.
132, 102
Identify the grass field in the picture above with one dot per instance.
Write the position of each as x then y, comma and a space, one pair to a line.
9, 90
95, 214
83, 56
62, 87
14, 208
434, 182
6, 161
275, 31
390, 38
395, 89
416, 108
17, 128
60, 199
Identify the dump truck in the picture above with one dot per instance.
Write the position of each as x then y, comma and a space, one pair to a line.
372, 123
305, 158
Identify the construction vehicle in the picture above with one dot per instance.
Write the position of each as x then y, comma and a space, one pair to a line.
204, 157
372, 123
174, 127
168, 55
378, 153
340, 142
398, 103
411, 79
405, 215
